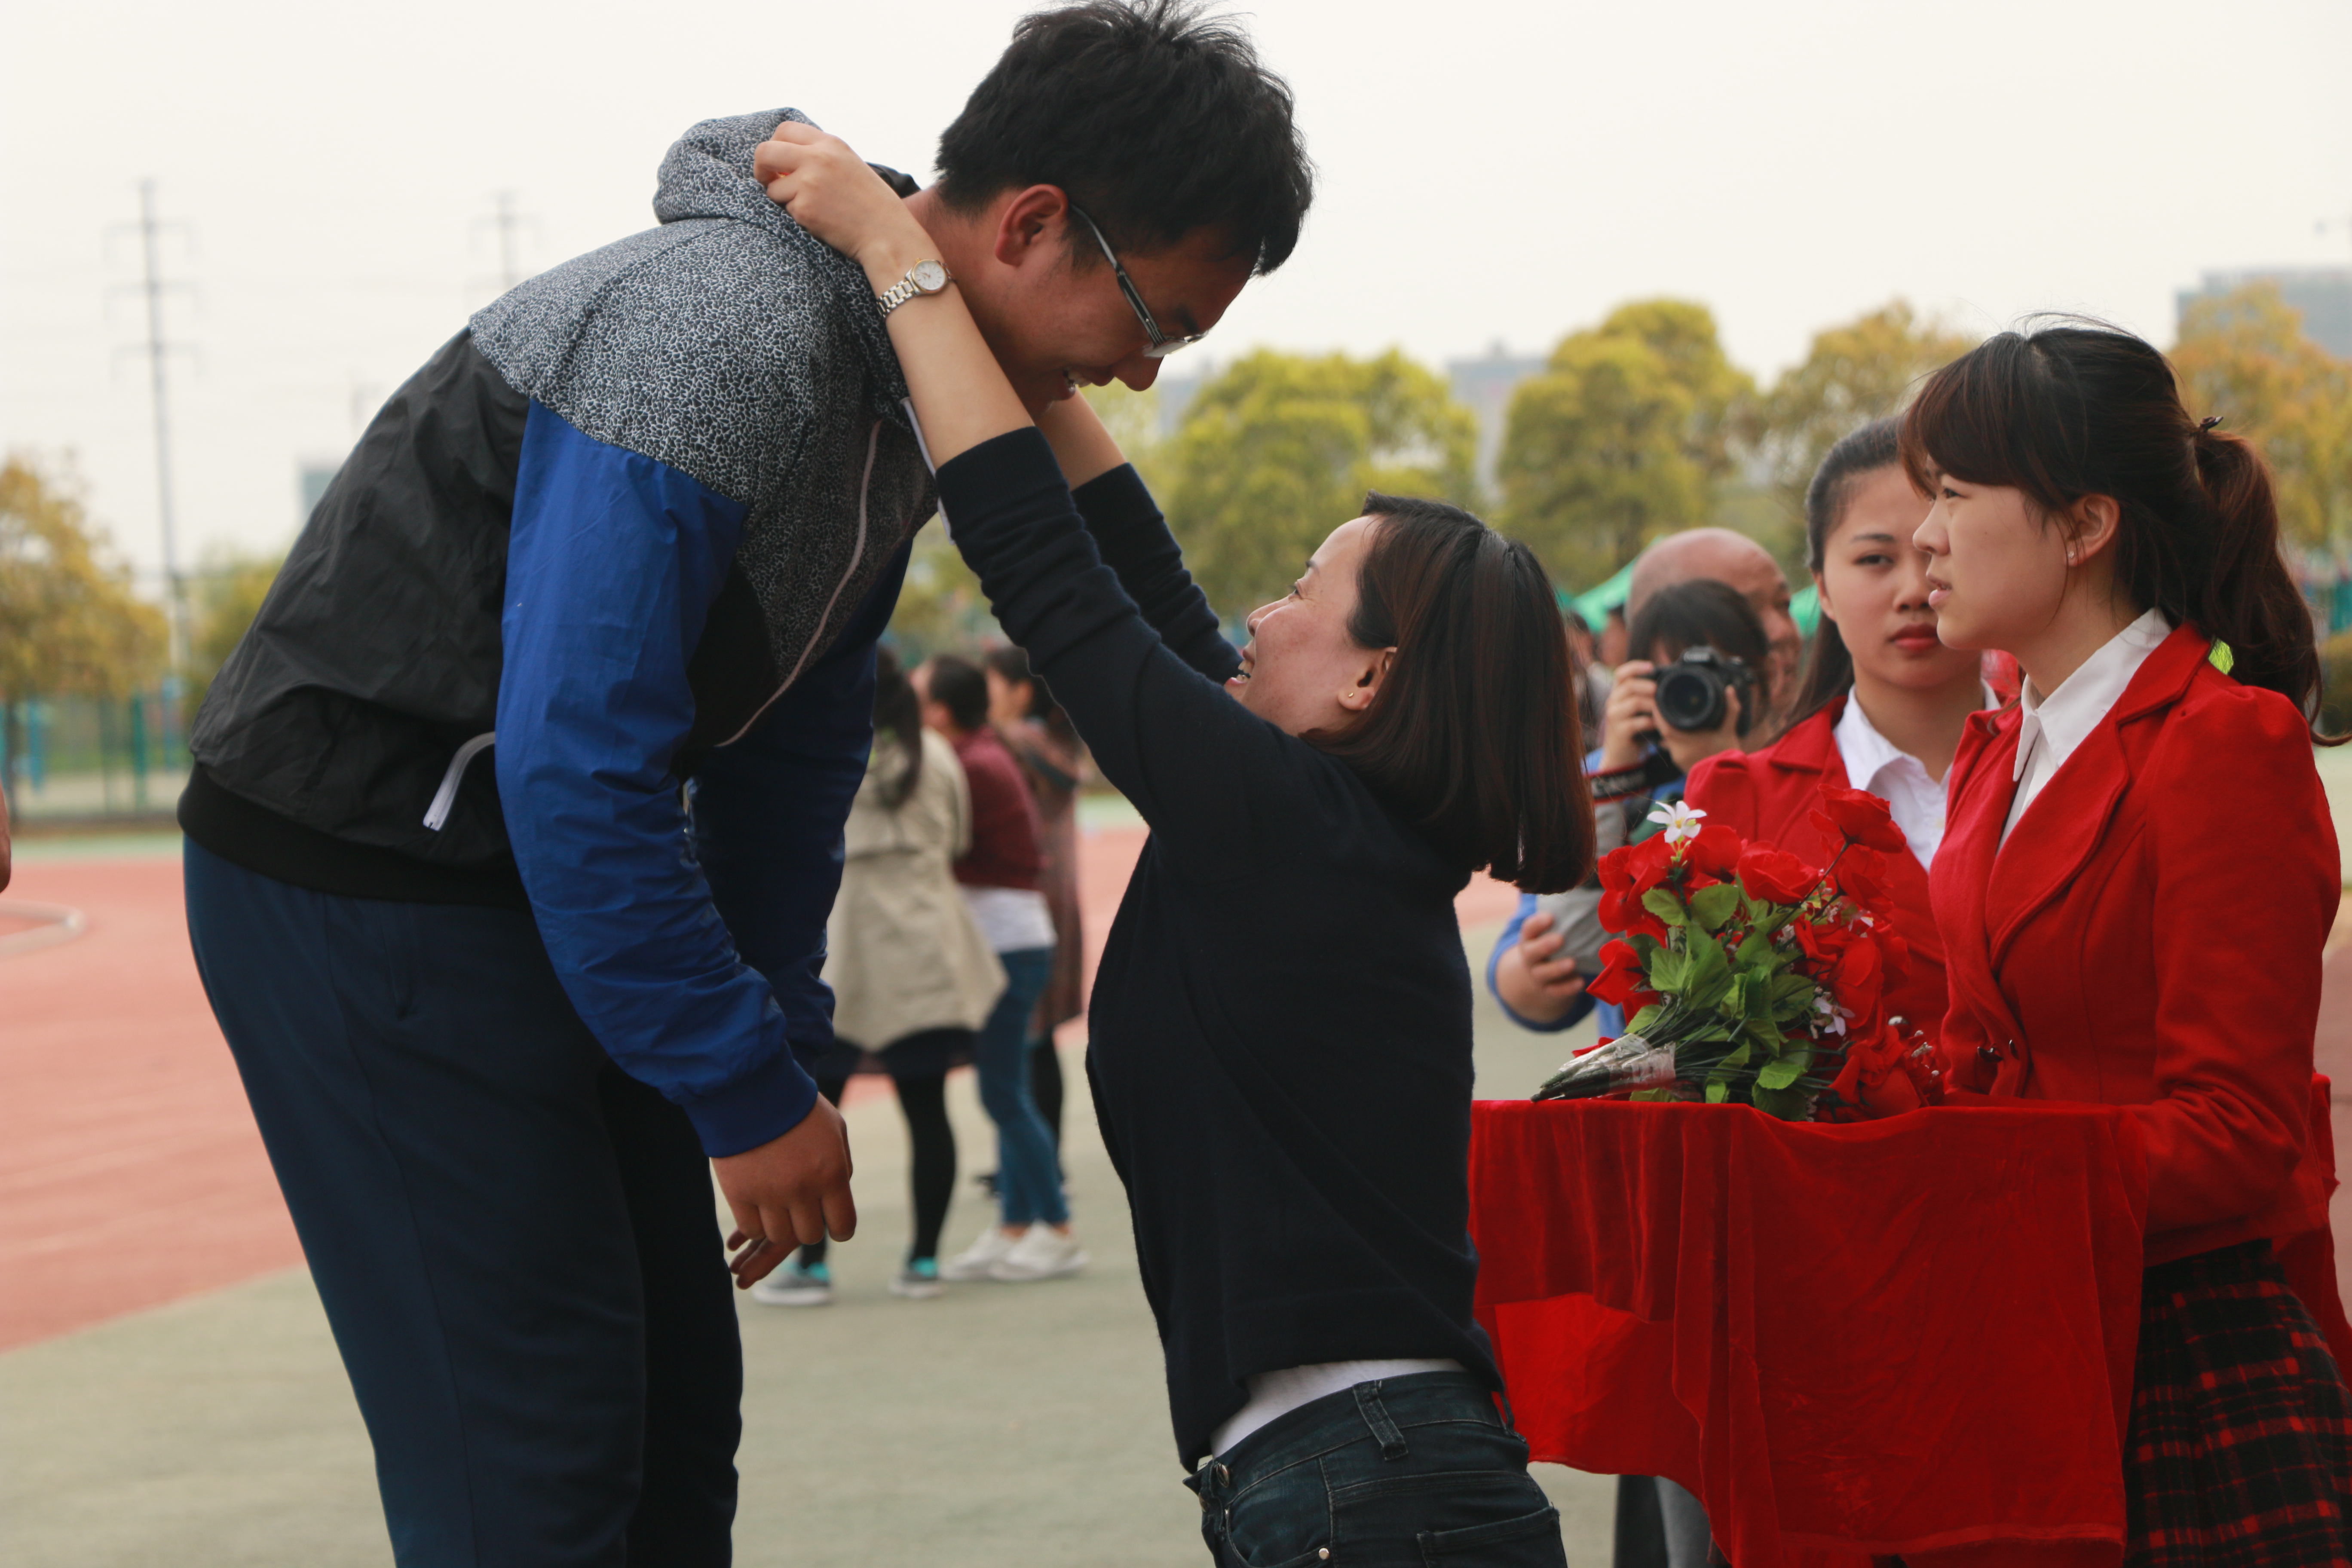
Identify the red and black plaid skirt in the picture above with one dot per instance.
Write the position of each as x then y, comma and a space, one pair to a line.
2239, 1452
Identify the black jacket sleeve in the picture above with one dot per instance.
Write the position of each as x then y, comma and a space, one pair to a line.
1217, 781
1133, 537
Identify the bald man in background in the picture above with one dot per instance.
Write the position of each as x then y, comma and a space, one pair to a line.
1739, 561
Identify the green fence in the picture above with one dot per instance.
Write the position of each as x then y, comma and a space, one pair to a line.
71, 760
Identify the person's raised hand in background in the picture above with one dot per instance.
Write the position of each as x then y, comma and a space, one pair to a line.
1533, 978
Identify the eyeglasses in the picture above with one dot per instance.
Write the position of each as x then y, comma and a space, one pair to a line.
1162, 345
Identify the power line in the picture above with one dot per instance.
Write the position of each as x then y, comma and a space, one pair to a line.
158, 350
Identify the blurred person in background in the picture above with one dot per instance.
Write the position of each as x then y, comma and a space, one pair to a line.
910, 972
1594, 678
1882, 704
1054, 760
1550, 949
1000, 876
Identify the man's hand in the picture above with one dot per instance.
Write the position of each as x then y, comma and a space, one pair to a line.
832, 192
787, 1193
1535, 979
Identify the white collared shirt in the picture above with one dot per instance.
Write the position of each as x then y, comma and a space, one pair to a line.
2056, 724
1875, 764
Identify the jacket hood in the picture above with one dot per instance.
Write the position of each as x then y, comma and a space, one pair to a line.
707, 174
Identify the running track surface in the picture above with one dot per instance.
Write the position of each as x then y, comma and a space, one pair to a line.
131, 1174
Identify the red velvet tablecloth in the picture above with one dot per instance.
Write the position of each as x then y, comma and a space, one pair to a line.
1908, 1336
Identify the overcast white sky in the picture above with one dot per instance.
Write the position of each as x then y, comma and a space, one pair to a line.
1491, 170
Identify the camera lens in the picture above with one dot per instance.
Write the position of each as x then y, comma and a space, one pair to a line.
1690, 697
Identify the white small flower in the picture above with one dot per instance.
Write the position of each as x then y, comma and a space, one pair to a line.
1681, 821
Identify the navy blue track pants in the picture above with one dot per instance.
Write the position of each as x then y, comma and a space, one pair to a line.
516, 1243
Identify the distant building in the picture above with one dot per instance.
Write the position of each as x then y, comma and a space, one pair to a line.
1484, 387
2324, 295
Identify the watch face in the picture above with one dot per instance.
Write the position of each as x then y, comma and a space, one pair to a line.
930, 277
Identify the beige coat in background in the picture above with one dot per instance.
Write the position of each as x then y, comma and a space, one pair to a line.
903, 952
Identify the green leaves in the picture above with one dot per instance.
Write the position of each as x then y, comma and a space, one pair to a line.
1786, 1071
1665, 906
1712, 906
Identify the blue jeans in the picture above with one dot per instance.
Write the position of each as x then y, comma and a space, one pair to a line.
1401, 1473
1028, 1176
513, 1239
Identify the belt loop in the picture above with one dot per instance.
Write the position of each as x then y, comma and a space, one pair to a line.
1503, 1406
1376, 1418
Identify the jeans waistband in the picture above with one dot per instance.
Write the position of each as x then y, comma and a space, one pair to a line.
1383, 1411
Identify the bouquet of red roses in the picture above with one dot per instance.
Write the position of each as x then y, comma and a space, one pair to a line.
1751, 977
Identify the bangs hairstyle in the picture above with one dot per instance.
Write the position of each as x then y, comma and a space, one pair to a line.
1829, 669
1155, 120
2082, 409
1472, 734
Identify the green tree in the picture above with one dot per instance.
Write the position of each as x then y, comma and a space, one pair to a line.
1859, 371
2246, 357
1279, 450
1622, 438
69, 624
228, 588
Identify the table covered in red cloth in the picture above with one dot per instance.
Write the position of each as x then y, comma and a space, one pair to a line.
1908, 1336
1913, 1336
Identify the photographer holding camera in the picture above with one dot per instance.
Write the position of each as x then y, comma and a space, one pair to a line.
1707, 670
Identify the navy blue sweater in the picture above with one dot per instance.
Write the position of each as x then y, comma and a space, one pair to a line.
1281, 1023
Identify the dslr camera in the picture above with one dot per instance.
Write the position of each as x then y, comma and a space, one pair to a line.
1690, 690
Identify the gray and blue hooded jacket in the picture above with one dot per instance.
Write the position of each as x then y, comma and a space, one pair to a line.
636, 528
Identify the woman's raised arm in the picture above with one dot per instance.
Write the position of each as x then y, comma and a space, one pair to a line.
961, 395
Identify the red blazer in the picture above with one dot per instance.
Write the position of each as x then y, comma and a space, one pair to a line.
2151, 936
1771, 795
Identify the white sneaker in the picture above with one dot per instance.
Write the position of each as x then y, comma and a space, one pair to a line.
1042, 1253
794, 1286
974, 1261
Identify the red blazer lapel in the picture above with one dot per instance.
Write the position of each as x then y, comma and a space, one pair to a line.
1978, 805
2068, 820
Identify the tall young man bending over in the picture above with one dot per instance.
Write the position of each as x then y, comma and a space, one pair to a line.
495, 992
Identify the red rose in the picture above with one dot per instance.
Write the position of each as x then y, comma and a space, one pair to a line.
1714, 852
1861, 817
1861, 874
1621, 977
1775, 876
1625, 875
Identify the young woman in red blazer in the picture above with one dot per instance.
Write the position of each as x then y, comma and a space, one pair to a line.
2125, 922
1882, 698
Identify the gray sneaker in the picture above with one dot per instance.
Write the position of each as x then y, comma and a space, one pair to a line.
918, 1280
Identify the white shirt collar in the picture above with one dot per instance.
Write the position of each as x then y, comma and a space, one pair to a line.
1862, 748
2055, 724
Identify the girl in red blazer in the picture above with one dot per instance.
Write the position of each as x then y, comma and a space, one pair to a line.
1884, 701
2125, 922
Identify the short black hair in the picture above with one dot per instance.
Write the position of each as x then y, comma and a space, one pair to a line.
1700, 613
1157, 120
958, 686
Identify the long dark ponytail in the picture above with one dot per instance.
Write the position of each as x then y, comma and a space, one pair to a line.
2084, 408
898, 713
1829, 669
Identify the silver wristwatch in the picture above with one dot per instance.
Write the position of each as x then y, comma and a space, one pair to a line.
922, 278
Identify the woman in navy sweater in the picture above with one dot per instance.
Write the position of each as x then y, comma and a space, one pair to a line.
1295, 1151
